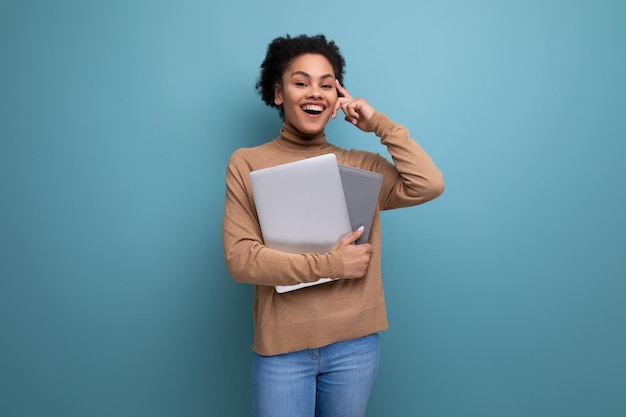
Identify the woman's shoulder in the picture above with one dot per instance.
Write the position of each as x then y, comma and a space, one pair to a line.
251, 153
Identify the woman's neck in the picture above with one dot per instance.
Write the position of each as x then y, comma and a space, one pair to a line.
293, 138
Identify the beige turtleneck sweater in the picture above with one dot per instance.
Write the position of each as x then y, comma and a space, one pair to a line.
340, 310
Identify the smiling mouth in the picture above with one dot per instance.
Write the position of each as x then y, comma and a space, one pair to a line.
313, 109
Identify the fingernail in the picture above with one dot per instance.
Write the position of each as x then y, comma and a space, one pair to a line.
360, 228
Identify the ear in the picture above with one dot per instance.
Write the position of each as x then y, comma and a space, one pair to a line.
278, 94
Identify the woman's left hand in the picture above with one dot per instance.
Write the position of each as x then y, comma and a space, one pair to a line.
357, 110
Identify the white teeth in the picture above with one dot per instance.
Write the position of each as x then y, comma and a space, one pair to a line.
313, 108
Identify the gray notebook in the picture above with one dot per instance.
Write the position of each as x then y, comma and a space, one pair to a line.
361, 189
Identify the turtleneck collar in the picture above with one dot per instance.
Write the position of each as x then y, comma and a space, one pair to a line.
293, 139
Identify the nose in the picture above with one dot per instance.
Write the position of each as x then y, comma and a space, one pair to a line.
315, 92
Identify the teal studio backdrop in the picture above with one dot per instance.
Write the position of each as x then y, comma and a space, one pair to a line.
506, 296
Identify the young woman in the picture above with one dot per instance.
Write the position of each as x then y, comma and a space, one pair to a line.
316, 349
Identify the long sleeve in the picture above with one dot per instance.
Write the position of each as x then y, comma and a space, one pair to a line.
339, 310
413, 178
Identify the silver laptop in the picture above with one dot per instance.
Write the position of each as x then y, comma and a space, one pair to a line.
301, 207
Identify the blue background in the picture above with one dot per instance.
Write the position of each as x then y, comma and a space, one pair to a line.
506, 295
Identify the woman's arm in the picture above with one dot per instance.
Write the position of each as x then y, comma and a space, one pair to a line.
249, 260
413, 178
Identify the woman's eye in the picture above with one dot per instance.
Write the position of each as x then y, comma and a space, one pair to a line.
300, 84
327, 86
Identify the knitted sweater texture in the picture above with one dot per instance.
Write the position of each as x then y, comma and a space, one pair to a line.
340, 310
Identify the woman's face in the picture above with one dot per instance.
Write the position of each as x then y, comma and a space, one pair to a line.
308, 93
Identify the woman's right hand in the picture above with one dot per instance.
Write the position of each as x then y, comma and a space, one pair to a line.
355, 258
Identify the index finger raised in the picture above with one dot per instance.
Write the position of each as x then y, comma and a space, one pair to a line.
342, 91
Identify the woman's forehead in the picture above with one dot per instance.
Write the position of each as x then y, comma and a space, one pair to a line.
315, 65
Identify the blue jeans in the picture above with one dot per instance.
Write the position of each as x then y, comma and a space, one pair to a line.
331, 381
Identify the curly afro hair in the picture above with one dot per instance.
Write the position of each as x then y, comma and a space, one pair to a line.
282, 51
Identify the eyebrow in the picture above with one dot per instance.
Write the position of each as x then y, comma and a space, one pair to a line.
306, 74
